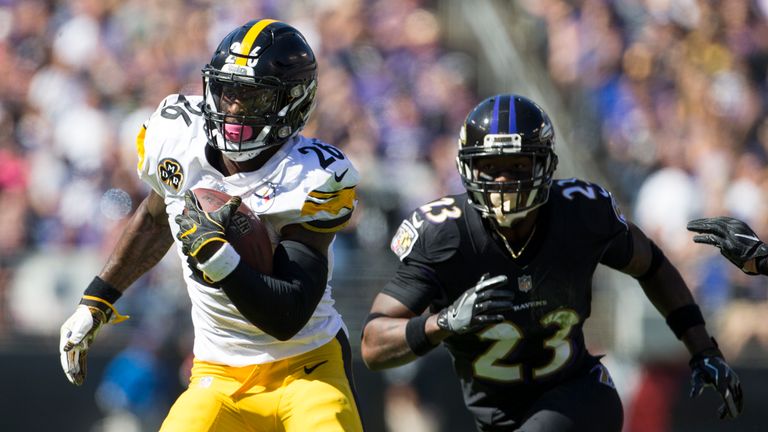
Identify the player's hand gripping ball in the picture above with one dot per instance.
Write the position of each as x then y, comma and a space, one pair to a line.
206, 208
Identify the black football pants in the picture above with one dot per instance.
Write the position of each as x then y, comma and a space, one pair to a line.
587, 403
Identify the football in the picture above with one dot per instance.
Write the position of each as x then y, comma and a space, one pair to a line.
245, 232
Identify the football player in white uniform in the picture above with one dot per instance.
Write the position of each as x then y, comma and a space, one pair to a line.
271, 352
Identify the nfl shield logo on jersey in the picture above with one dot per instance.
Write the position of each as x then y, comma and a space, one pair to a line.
524, 283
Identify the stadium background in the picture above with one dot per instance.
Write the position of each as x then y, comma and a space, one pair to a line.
662, 101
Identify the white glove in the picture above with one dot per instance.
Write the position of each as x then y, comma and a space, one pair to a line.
77, 332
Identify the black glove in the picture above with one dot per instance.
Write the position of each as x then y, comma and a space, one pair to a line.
478, 307
734, 238
198, 227
709, 369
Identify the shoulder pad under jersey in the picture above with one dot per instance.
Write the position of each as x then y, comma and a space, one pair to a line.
330, 182
168, 142
589, 205
430, 234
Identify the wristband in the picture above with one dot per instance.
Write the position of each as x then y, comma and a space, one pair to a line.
683, 318
102, 296
416, 335
220, 264
762, 265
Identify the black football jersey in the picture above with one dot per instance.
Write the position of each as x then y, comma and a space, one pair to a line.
446, 247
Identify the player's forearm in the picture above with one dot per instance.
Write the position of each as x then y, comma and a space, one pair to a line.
668, 293
282, 304
666, 289
142, 245
384, 345
697, 340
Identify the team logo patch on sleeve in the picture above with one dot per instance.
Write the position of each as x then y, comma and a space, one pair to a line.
170, 172
404, 239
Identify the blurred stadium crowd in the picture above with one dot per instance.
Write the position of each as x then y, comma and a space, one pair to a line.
668, 98
673, 99
81, 76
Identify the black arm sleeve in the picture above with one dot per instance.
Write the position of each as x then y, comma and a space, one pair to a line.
280, 304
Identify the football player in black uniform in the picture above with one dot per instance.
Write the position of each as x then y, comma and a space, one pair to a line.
736, 241
506, 272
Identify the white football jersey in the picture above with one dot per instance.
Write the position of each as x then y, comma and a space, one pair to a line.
306, 182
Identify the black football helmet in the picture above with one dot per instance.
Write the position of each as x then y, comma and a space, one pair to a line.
508, 126
259, 88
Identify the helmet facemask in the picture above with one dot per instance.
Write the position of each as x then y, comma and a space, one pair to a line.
246, 114
508, 201
259, 89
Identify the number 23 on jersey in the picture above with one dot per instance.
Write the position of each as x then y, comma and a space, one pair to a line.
506, 336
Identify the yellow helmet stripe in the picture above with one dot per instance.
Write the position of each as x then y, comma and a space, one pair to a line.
250, 38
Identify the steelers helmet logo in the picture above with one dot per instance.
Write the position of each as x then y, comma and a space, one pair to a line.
170, 172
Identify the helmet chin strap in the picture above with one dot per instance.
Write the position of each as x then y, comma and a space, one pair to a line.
501, 220
502, 209
507, 219
242, 156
